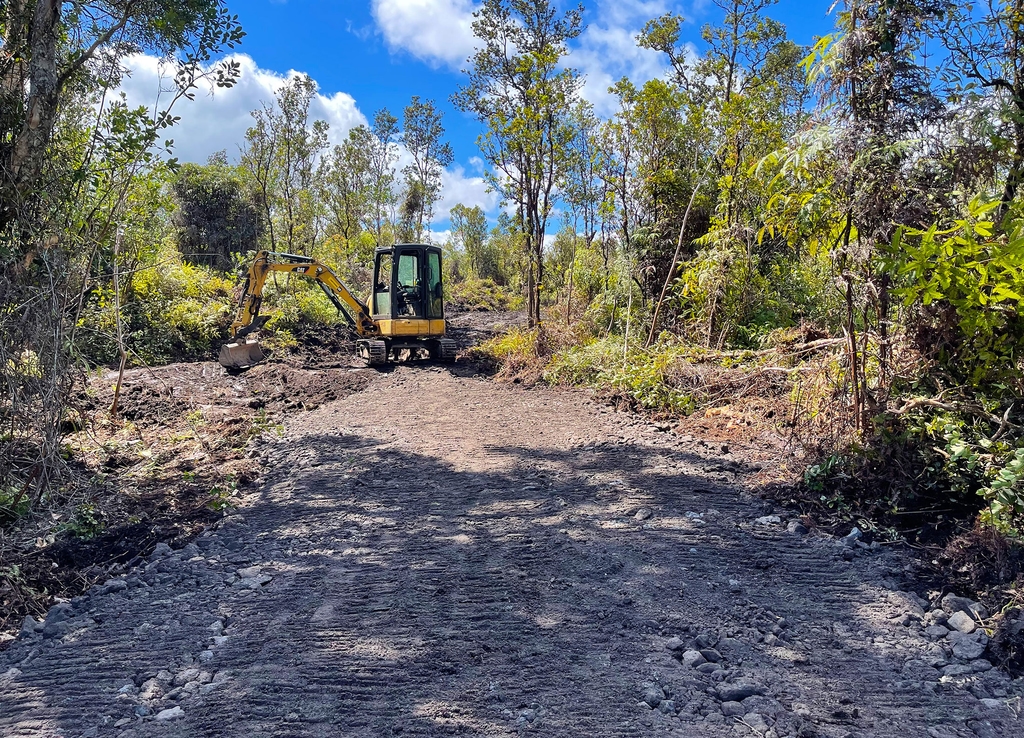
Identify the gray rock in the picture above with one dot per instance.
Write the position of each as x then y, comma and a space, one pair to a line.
217, 627
675, 644
756, 723
644, 513
737, 691
28, 627
956, 670
962, 622
667, 707
768, 520
250, 571
935, 617
735, 585
653, 696
185, 676
171, 713
59, 612
164, 676
711, 655
206, 656
732, 646
693, 659
709, 668
968, 650
951, 603
983, 729
52, 630
990, 704
706, 640
852, 537
114, 585
981, 665
797, 528
936, 632
733, 709
763, 705
142, 711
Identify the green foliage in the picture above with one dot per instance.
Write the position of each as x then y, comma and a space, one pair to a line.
647, 377
217, 215
980, 275
513, 351
173, 310
1005, 495
86, 522
14, 502
482, 294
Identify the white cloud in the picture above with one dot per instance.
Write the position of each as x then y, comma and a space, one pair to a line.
218, 118
607, 50
439, 32
460, 187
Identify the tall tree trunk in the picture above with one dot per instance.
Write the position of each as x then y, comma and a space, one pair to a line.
29, 152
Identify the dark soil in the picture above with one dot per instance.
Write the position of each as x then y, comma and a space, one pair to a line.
162, 470
447, 555
180, 451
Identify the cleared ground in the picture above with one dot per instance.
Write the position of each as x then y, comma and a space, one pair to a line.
439, 554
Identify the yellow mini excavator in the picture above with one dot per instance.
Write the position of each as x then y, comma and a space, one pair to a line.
405, 311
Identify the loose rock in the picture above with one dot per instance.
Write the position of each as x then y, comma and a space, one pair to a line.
172, 713
737, 691
962, 622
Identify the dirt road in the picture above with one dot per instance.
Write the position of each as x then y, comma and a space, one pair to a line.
439, 554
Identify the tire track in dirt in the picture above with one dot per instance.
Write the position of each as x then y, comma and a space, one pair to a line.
441, 555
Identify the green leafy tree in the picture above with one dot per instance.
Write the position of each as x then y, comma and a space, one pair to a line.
469, 233
281, 154
383, 156
217, 218
70, 153
423, 136
520, 90
346, 184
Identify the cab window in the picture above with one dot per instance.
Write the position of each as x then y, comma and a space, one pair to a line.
435, 296
382, 290
408, 289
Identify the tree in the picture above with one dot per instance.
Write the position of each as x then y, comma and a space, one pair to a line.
346, 184
521, 92
281, 154
51, 48
217, 216
383, 154
69, 154
423, 139
985, 70
469, 231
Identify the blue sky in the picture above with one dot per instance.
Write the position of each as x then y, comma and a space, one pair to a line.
368, 54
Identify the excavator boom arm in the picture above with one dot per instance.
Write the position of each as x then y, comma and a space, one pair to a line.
248, 316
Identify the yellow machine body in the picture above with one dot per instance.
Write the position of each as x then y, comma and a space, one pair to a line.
407, 305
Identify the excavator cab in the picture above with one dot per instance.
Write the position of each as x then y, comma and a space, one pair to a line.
408, 285
408, 300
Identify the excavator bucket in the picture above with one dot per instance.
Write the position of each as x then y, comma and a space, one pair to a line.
240, 355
